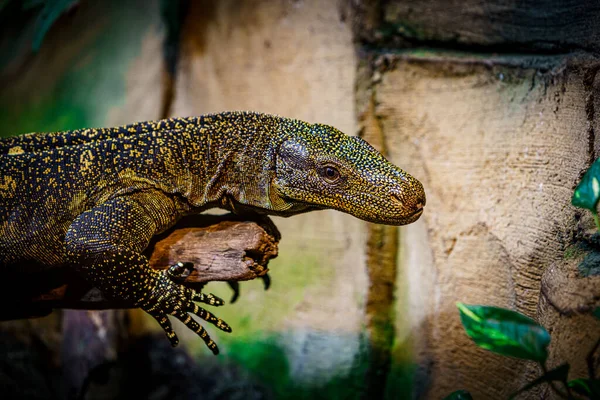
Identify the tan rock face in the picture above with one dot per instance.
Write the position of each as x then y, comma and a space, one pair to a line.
295, 59
566, 302
290, 58
499, 151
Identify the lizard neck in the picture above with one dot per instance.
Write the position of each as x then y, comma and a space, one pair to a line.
231, 159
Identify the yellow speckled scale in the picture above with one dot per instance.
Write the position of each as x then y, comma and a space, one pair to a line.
92, 199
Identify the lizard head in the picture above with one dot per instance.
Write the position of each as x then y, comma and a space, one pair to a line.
319, 167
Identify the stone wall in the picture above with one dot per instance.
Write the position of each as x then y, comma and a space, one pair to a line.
499, 148
492, 105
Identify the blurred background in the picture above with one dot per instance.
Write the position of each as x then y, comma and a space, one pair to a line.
491, 104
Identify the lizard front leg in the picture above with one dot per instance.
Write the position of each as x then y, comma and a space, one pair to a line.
105, 245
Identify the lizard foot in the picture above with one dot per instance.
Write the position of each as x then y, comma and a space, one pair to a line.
179, 301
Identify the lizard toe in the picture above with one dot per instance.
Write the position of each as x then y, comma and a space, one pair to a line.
199, 329
163, 320
207, 298
209, 317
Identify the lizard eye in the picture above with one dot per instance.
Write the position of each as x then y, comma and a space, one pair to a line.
330, 174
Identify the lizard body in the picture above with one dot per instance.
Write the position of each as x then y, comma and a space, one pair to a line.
92, 199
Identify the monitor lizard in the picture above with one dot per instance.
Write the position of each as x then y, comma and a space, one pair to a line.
92, 199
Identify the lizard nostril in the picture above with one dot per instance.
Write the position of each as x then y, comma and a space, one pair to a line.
396, 199
415, 208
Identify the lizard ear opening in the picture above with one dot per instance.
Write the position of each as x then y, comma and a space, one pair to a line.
294, 153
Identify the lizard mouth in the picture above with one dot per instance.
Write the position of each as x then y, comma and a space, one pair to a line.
410, 218
397, 220
417, 208
416, 214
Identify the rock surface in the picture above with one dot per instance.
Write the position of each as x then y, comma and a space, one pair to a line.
499, 149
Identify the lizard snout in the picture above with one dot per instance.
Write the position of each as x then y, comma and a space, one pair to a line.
409, 200
408, 206
419, 208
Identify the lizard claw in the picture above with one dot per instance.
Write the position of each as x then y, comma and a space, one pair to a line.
266, 281
235, 286
180, 270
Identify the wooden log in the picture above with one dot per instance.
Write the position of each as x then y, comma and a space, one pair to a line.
222, 248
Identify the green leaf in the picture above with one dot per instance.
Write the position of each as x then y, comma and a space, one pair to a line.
505, 332
596, 312
559, 373
459, 395
587, 193
586, 387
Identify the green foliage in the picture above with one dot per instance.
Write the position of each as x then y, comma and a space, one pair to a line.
459, 395
505, 332
512, 334
586, 387
587, 193
264, 358
88, 91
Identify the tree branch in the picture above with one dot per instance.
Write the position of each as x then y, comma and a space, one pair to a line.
222, 248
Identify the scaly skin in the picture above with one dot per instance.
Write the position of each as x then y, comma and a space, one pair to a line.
92, 199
